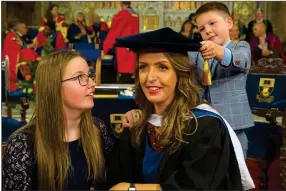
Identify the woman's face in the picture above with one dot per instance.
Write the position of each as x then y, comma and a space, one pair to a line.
96, 18
54, 11
235, 16
234, 32
157, 78
80, 17
77, 97
187, 27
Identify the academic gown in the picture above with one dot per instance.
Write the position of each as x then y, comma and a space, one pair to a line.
17, 57
208, 162
61, 26
74, 34
267, 23
100, 29
124, 23
55, 41
12, 47
274, 44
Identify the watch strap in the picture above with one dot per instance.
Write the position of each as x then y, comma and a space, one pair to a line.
132, 187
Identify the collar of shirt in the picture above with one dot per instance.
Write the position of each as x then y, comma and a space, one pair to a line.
226, 43
155, 120
19, 34
259, 21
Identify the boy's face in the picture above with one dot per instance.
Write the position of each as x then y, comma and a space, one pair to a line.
214, 27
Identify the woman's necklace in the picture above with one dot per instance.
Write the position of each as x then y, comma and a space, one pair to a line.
154, 138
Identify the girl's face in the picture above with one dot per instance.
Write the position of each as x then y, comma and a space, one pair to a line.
78, 89
187, 27
54, 11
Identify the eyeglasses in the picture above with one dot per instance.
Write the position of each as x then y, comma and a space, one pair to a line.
83, 79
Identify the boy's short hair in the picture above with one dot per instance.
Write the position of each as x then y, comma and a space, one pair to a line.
212, 6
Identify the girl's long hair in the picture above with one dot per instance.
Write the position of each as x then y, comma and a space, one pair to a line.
49, 15
49, 121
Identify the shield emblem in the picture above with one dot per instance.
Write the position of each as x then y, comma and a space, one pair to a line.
116, 123
266, 87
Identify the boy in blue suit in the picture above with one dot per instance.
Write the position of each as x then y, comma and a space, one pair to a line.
229, 65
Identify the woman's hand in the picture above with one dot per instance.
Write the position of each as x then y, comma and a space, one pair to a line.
131, 117
262, 41
265, 52
83, 31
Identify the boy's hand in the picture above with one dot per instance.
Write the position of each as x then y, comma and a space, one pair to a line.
210, 50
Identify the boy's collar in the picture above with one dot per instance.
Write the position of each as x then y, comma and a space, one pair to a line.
225, 44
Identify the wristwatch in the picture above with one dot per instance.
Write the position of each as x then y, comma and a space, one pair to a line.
132, 187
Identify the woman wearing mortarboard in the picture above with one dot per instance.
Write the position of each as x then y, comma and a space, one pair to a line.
176, 142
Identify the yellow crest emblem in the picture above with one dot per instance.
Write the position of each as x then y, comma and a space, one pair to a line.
266, 87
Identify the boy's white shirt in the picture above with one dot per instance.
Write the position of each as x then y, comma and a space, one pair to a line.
246, 179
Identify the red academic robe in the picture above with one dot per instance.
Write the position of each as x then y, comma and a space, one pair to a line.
274, 44
23, 65
12, 48
59, 41
103, 26
60, 26
124, 23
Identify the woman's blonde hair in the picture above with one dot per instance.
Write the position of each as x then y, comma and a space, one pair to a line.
77, 15
51, 151
177, 116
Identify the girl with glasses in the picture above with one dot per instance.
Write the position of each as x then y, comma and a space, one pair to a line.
62, 145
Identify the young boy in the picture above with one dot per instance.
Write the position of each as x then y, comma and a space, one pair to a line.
229, 64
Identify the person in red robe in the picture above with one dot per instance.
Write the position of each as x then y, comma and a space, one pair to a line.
11, 48
25, 71
52, 15
124, 23
49, 39
26, 58
99, 27
265, 45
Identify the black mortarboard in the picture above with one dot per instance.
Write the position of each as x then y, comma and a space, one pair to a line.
164, 39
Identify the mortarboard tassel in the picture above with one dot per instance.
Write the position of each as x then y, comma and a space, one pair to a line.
206, 78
